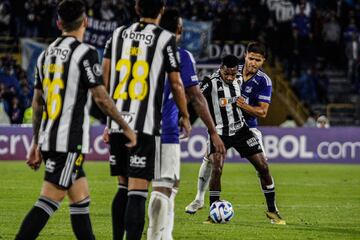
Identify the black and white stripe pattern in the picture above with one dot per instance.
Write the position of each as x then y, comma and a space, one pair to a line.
75, 67
143, 194
48, 205
67, 170
146, 113
221, 98
82, 207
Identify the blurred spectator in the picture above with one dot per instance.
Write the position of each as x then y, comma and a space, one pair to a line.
305, 6
311, 120
289, 122
331, 35
5, 17
352, 51
322, 122
15, 111
305, 86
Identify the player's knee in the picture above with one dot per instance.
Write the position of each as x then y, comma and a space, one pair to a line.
216, 171
263, 169
81, 207
48, 205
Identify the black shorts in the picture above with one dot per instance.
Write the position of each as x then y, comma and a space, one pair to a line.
244, 142
62, 169
119, 154
137, 162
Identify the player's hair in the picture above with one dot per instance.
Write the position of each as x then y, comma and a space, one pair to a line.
170, 19
70, 13
150, 8
256, 47
230, 61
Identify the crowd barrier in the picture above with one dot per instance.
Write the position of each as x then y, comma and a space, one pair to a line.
286, 145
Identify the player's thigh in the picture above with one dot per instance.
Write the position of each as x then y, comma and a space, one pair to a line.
63, 169
227, 140
142, 159
52, 191
257, 133
79, 190
167, 168
119, 155
246, 144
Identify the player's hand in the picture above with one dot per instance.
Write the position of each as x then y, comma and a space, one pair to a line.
240, 102
185, 127
219, 145
131, 135
34, 158
105, 135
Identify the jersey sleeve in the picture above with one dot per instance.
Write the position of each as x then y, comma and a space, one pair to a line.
171, 56
265, 91
187, 69
91, 71
108, 47
205, 86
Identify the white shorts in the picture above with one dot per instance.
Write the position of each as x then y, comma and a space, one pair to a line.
167, 168
258, 135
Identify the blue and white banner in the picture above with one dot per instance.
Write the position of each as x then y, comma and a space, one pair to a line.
30, 50
196, 38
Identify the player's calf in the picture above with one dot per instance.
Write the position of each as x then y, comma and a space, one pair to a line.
37, 218
80, 220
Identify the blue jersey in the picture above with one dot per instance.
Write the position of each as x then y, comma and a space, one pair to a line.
170, 112
255, 90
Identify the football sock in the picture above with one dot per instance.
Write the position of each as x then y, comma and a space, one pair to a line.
80, 220
214, 196
118, 212
204, 179
167, 234
135, 214
158, 212
269, 193
37, 218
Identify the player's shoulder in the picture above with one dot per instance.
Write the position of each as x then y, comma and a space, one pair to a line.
186, 55
215, 76
263, 78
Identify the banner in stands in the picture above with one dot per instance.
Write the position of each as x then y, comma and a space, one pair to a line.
196, 37
30, 50
288, 145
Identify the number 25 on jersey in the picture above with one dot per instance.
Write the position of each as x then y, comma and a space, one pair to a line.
138, 87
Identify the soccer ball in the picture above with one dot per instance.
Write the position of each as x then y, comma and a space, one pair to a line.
221, 211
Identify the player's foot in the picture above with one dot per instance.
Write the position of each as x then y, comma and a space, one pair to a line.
275, 218
194, 206
208, 221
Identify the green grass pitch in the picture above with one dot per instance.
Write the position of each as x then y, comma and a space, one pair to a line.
318, 202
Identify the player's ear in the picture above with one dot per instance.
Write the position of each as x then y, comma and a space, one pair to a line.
162, 10
59, 25
85, 21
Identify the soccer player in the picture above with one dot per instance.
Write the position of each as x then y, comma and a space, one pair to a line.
161, 209
66, 72
255, 99
136, 59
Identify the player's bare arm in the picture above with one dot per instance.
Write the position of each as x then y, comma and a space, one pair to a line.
34, 157
201, 108
177, 89
257, 111
102, 99
106, 77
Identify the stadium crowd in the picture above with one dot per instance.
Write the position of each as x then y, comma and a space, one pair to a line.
305, 36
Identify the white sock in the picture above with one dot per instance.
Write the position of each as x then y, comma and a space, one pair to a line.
158, 213
203, 179
167, 234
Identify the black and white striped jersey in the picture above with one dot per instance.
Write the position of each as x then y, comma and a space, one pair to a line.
221, 98
64, 72
140, 56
